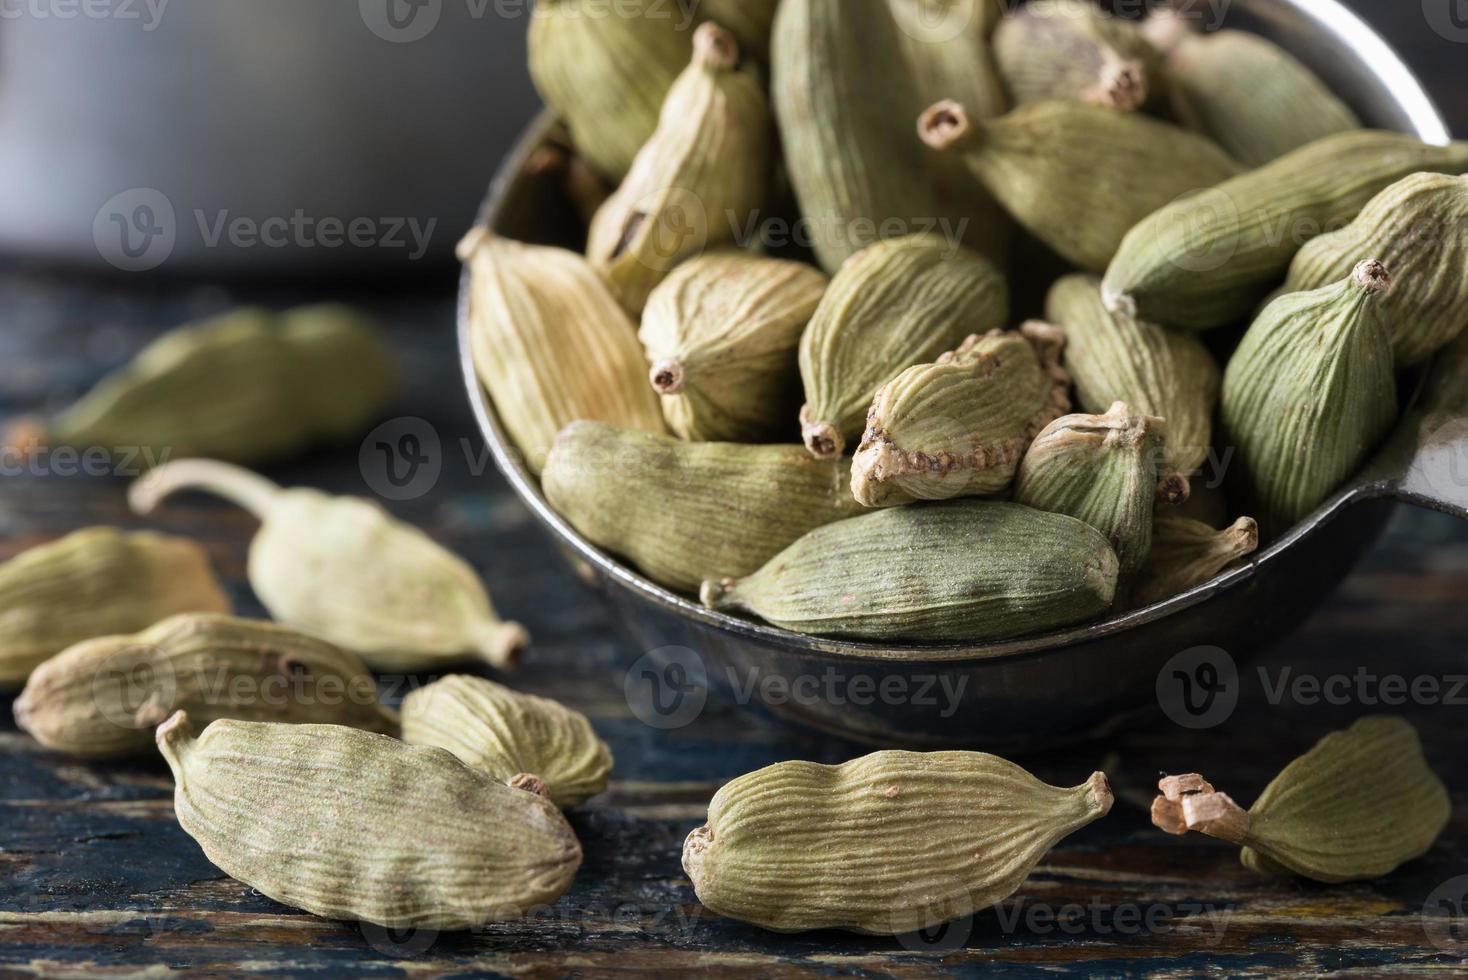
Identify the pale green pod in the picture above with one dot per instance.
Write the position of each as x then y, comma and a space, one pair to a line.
605, 69
550, 343
103, 697
1102, 469
1077, 176
697, 182
346, 570
1308, 394
886, 844
1072, 49
1187, 553
248, 386
683, 512
959, 427
1206, 260
1246, 92
509, 735
958, 570
96, 582
899, 303
1113, 357
1417, 228
351, 825
1357, 806
722, 333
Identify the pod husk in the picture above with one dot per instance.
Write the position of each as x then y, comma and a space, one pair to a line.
1187, 553
1072, 49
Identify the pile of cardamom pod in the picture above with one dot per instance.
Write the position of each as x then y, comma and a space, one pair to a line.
1064, 313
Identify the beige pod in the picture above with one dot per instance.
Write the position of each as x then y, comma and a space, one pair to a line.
1357, 806
721, 333
96, 582
1072, 49
898, 303
1077, 176
507, 734
103, 697
886, 844
682, 512
351, 825
346, 570
959, 427
1114, 357
1187, 553
695, 185
550, 344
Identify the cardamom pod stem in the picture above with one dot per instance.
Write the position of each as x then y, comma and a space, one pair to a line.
1187, 553
1355, 807
346, 570
750, 21
1072, 49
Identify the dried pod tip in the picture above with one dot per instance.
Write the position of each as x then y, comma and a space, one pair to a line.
1173, 489
1101, 794
1122, 85
1372, 276
822, 438
472, 242
714, 593
1189, 802
530, 783
501, 644
667, 377
1244, 532
1047, 337
25, 435
234, 483
944, 124
1121, 304
173, 731
714, 47
1166, 28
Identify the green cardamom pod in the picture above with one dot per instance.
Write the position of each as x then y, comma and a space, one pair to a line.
1114, 357
607, 70
247, 386
1414, 228
510, 735
698, 180
1072, 49
1187, 553
1102, 469
351, 825
103, 697
722, 333
1206, 260
898, 303
550, 344
682, 512
1029, 160
886, 844
346, 570
1309, 393
96, 582
959, 427
915, 573
1357, 806
750, 21
1250, 95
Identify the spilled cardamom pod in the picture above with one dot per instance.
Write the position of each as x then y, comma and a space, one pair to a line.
1114, 357
899, 303
248, 386
1308, 394
1102, 469
1072, 49
1416, 229
351, 825
1030, 160
886, 844
682, 512
916, 573
550, 344
96, 582
346, 570
1358, 805
103, 697
1246, 92
722, 333
508, 735
606, 71
1187, 553
959, 427
1206, 260
698, 180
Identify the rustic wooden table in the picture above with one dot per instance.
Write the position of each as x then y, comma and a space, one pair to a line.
97, 878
